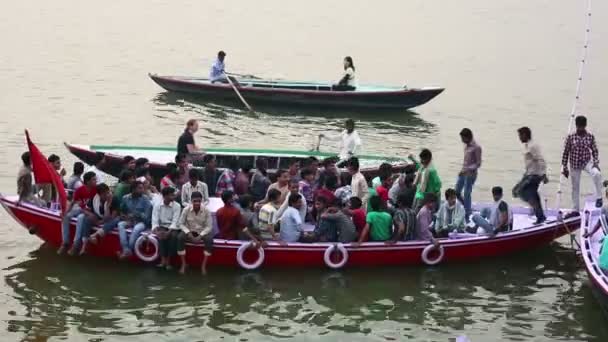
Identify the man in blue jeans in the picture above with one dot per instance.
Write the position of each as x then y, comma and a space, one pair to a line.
468, 175
136, 212
81, 197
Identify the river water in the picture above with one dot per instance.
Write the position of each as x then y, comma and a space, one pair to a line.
75, 71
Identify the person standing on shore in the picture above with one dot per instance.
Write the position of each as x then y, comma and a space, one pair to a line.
581, 154
468, 175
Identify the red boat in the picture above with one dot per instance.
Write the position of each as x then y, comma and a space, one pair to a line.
46, 224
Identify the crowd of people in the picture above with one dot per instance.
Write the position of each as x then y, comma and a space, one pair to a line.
311, 201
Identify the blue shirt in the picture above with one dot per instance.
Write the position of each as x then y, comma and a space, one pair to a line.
217, 71
140, 208
291, 225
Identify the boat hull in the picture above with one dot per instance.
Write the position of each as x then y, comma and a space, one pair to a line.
590, 251
397, 98
47, 226
158, 169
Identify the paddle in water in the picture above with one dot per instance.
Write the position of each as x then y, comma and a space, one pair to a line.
238, 93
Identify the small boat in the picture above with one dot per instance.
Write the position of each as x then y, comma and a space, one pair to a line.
301, 93
591, 248
160, 156
46, 224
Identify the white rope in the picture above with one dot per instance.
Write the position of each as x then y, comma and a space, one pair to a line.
577, 94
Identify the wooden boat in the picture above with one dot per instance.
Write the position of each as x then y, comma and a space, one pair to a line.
160, 156
46, 224
590, 249
301, 93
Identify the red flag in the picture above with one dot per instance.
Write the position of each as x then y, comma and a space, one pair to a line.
45, 173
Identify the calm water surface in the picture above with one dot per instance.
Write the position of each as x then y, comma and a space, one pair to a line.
75, 71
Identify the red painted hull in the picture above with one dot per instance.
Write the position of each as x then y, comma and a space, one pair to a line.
48, 228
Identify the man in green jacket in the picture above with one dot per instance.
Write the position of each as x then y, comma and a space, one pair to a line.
427, 180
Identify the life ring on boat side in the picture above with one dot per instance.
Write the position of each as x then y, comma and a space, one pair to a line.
430, 248
241, 251
142, 255
329, 251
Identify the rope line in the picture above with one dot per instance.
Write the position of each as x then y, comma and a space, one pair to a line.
577, 94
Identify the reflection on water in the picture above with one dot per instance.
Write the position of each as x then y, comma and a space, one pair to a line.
510, 299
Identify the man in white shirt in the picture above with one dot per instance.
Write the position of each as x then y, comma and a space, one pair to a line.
165, 219
350, 142
98, 162
294, 189
194, 185
218, 73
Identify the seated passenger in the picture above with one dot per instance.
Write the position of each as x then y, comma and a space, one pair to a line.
165, 224
210, 174
267, 218
348, 80
171, 179
404, 185
241, 183
382, 190
260, 183
294, 189
291, 221
424, 219
49, 193
136, 212
228, 218
127, 178
450, 216
282, 184
498, 218
75, 208
100, 210
328, 188
343, 225
386, 170
98, 163
75, 180
183, 169
306, 187
249, 218
404, 219
194, 185
25, 181
128, 163
324, 230
379, 223
357, 213
196, 225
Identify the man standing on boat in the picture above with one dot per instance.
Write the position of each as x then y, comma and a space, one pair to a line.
350, 142
580, 150
536, 172
468, 175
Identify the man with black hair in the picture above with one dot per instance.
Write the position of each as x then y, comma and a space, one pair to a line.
496, 219
291, 221
165, 224
470, 166
136, 212
535, 173
196, 225
126, 180
100, 210
226, 180
25, 182
358, 183
451, 215
194, 185
75, 180
350, 142
581, 154
228, 217
75, 208
427, 179
210, 173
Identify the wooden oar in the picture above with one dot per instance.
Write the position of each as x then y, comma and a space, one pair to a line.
238, 93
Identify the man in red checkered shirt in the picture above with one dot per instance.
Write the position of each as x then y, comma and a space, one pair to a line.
581, 152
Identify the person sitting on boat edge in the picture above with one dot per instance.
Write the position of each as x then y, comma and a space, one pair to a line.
427, 179
451, 215
194, 185
165, 224
424, 219
357, 214
227, 178
535, 173
358, 183
404, 220
291, 221
348, 82
350, 142
185, 142
470, 167
75, 208
498, 218
196, 225
294, 189
136, 212
25, 183
379, 223
101, 210
126, 180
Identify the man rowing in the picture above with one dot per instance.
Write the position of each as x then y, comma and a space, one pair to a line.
218, 70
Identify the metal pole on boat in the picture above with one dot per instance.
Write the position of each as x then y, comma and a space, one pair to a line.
238, 93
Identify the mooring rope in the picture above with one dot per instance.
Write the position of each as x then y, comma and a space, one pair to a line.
577, 94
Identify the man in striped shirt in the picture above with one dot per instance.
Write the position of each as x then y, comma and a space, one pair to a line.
580, 151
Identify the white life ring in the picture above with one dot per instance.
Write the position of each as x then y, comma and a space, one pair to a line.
327, 256
241, 261
427, 250
138, 244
